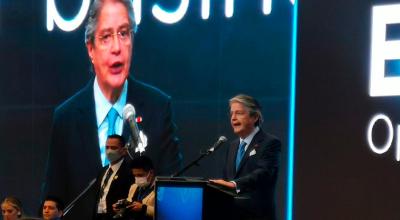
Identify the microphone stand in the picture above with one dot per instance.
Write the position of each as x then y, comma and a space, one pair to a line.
72, 204
129, 148
221, 140
194, 162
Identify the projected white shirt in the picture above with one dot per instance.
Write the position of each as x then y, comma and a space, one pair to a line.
103, 106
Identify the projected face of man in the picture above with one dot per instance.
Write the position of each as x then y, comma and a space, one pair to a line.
111, 50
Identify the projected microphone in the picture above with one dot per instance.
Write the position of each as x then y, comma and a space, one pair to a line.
217, 144
129, 115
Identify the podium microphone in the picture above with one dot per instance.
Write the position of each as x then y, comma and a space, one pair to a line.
217, 144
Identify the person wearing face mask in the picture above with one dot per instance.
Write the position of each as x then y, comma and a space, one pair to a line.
141, 195
82, 122
114, 180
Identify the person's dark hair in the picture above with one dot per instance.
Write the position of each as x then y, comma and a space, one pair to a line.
59, 203
14, 202
142, 162
93, 19
251, 104
119, 137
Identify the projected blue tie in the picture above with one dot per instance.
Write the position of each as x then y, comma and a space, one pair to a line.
111, 117
240, 154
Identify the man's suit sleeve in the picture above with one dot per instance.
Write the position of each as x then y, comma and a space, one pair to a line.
267, 167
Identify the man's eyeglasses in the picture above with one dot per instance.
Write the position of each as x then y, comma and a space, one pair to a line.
106, 39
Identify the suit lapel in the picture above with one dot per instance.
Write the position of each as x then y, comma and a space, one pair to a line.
232, 158
87, 127
137, 102
257, 139
116, 176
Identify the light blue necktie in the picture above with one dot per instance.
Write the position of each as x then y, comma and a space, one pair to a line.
111, 117
240, 154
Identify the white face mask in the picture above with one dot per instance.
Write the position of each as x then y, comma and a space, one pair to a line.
142, 181
112, 155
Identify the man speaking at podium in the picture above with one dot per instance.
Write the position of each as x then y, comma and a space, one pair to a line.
82, 123
252, 161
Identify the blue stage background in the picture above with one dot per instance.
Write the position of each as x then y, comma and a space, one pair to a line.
199, 63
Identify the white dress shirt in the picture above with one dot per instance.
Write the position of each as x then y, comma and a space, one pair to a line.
247, 140
103, 106
102, 207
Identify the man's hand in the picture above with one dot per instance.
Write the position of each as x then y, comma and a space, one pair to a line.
222, 182
115, 207
135, 206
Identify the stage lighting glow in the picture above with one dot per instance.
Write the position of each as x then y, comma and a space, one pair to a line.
163, 15
292, 117
137, 9
205, 9
53, 16
382, 50
398, 144
388, 122
170, 17
267, 7
229, 8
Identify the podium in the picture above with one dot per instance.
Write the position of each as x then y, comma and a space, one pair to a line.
190, 198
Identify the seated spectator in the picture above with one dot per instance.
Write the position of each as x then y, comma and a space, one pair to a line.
52, 208
141, 197
11, 208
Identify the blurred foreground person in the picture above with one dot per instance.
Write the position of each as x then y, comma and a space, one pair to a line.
11, 208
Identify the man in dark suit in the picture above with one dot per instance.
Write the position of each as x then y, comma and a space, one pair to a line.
114, 180
252, 161
82, 123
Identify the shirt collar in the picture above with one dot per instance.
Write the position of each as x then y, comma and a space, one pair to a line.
103, 106
116, 166
249, 138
